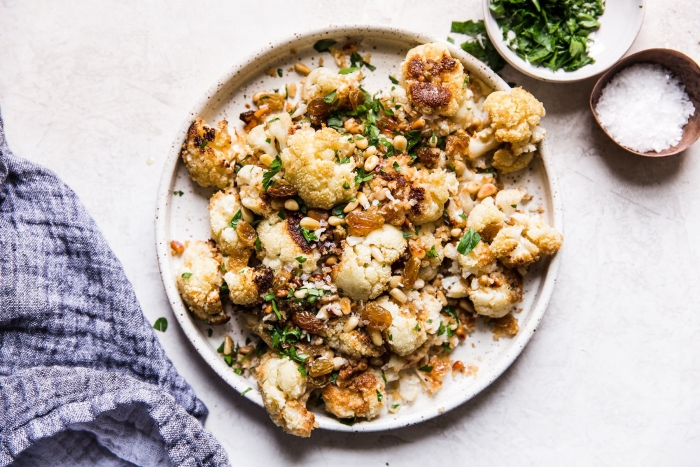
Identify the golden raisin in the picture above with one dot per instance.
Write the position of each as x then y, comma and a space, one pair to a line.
357, 98
410, 272
318, 110
282, 189
375, 316
246, 233
364, 222
308, 322
281, 279
318, 214
393, 214
320, 367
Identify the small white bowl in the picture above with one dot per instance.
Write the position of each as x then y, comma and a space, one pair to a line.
619, 27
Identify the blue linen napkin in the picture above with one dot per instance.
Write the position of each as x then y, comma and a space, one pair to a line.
83, 379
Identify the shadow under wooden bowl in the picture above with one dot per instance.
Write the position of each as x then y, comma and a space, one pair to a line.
684, 68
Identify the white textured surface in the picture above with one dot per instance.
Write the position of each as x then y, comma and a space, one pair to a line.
95, 91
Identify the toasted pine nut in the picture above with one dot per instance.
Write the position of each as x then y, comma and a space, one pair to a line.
418, 124
247, 215
338, 363
487, 190
301, 68
419, 284
258, 95
228, 345
291, 204
310, 223
300, 293
376, 336
331, 260
328, 355
266, 159
335, 221
398, 295
351, 206
380, 195
371, 162
400, 142
351, 323
460, 167
441, 296
465, 305
395, 281
246, 349
361, 143
429, 289
345, 305
323, 313
370, 151
277, 204
292, 90
377, 254
362, 199
456, 232
473, 187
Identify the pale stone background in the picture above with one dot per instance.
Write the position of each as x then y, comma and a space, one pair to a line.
94, 90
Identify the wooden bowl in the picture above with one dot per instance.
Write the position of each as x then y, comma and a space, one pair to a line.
684, 68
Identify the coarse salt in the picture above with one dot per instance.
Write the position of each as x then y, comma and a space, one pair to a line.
644, 108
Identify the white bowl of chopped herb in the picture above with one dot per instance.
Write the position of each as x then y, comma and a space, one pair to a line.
563, 41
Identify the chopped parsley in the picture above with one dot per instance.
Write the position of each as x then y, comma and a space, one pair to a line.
357, 61
407, 235
362, 176
346, 185
395, 406
384, 378
275, 167
379, 395
348, 70
234, 221
330, 98
204, 144
468, 242
302, 370
348, 421
178, 193
279, 72
426, 368
324, 45
186, 275
416, 327
309, 235
258, 245
432, 253
479, 44
210, 331
161, 324
246, 391
238, 371
441, 329
396, 166
393, 80
301, 259
334, 376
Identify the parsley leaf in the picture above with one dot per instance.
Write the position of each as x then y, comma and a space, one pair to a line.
468, 242
362, 176
186, 275
396, 166
330, 97
234, 221
178, 193
479, 44
432, 253
309, 235
301, 259
426, 368
393, 80
379, 396
324, 45
348, 70
161, 325
279, 72
275, 167
246, 391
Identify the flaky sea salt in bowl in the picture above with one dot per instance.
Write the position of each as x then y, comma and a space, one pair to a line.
649, 102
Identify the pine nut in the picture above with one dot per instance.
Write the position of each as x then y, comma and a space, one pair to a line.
398, 295
247, 215
301, 293
323, 313
246, 349
331, 260
292, 90
465, 305
487, 190
351, 206
277, 204
441, 296
329, 354
456, 232
335, 221
338, 363
266, 159
419, 284
362, 199
400, 143
370, 151
371, 162
380, 195
429, 289
310, 223
361, 143
460, 167
351, 323
376, 336
377, 254
418, 124
473, 187
291, 204
301, 68
345, 305
395, 281
228, 345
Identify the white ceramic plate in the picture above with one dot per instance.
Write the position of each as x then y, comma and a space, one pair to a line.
186, 217
619, 25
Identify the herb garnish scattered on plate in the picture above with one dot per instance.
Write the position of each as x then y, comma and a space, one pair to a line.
549, 33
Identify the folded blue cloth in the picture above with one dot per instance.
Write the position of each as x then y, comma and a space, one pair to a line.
83, 379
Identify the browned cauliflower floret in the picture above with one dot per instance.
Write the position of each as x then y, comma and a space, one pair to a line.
223, 207
523, 242
361, 397
355, 343
496, 294
270, 137
478, 261
199, 279
434, 81
515, 118
210, 155
322, 81
430, 191
283, 391
312, 165
281, 246
486, 219
250, 185
405, 334
246, 284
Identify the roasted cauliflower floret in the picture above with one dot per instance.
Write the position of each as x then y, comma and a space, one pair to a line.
508, 200
523, 242
496, 294
322, 81
405, 333
480, 143
360, 275
312, 165
428, 310
199, 279
359, 397
283, 391
429, 192
271, 136
507, 162
355, 343
223, 207
250, 186
486, 218
246, 284
434, 81
477, 262
281, 250
210, 153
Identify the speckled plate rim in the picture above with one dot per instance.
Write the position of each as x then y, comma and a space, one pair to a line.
164, 199
545, 74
